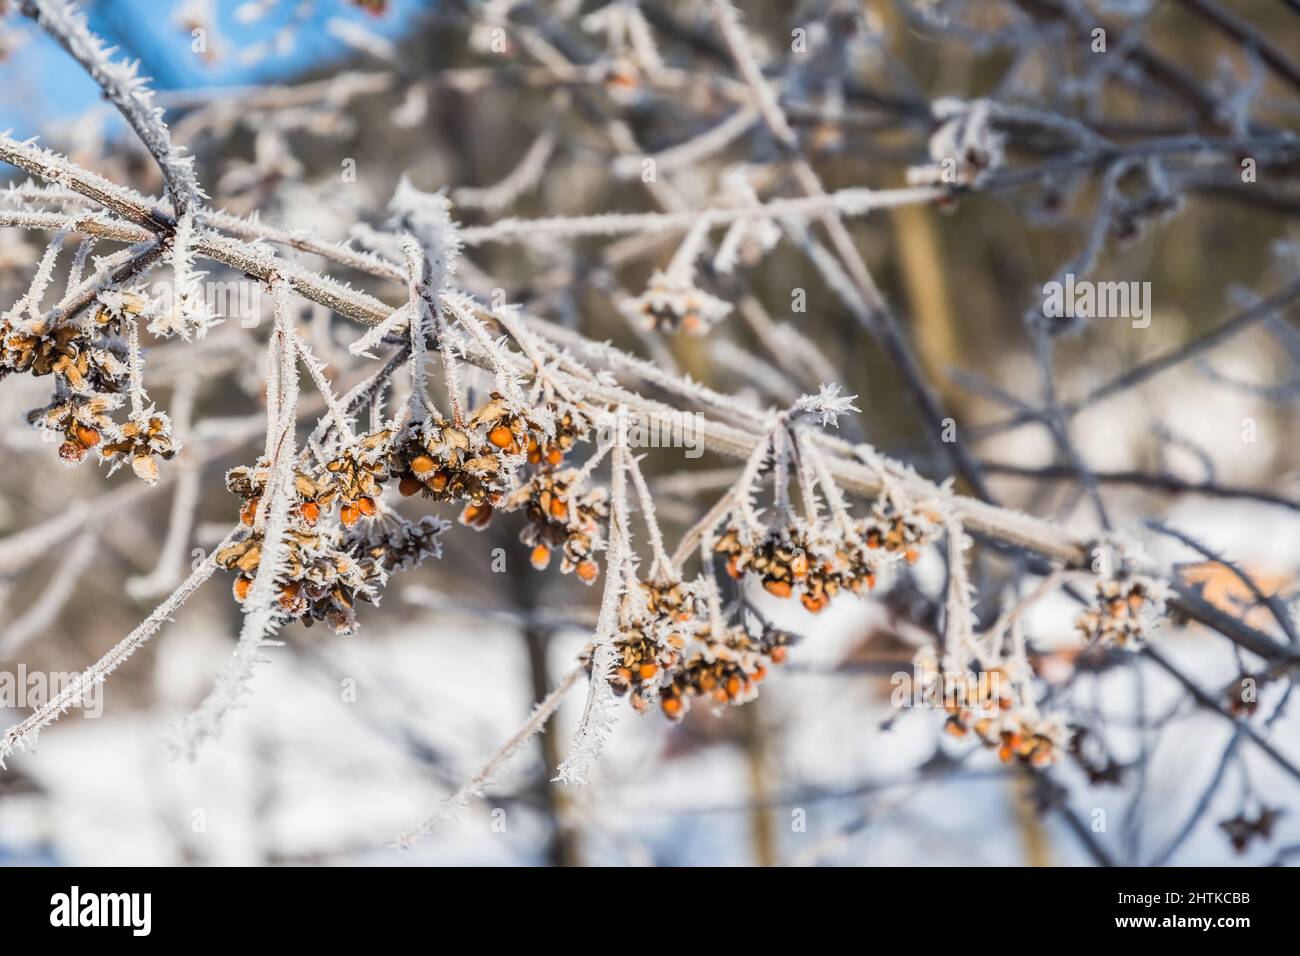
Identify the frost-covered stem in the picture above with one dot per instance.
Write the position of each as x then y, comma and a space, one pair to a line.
1014, 613
125, 89
79, 261
261, 605
417, 312
366, 391
461, 309
661, 565
30, 301
958, 630
509, 319
526, 174
728, 20
712, 598
316, 370
55, 168
476, 784
830, 490
695, 150
748, 477
110, 272
854, 201
781, 472
808, 489
588, 738
22, 735
702, 528
135, 366
681, 269
425, 307
583, 474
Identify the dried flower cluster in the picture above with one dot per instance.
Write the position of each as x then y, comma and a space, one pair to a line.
90, 360
667, 649
988, 705
1124, 612
817, 562
672, 306
562, 518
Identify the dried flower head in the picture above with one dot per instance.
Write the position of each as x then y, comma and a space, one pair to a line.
674, 306
142, 440
1124, 612
82, 421
561, 521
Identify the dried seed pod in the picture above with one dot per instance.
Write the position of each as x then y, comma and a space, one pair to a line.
673, 306
1124, 611
354, 476
143, 439
320, 581
82, 421
557, 521
249, 483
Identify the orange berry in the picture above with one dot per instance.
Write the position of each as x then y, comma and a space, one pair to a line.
541, 557
587, 571
476, 516
310, 511
815, 604
759, 673
732, 568
349, 514
89, 437
421, 465
554, 455
559, 509
624, 675
366, 506
289, 593
439, 481
241, 587
779, 655
781, 589
648, 671
733, 686
502, 436
911, 555
671, 706
409, 485
249, 511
